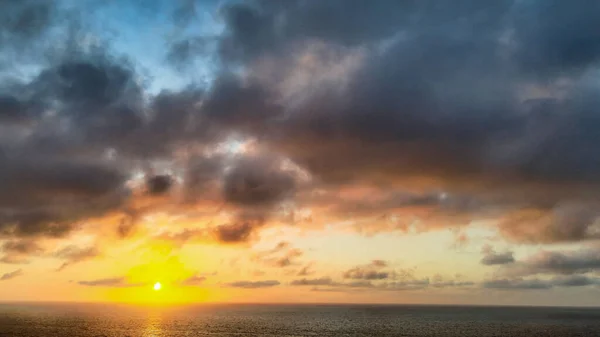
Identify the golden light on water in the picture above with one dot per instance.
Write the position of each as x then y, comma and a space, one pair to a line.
157, 286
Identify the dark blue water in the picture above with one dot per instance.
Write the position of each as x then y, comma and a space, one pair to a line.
293, 320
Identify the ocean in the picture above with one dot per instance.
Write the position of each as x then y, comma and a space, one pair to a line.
95, 320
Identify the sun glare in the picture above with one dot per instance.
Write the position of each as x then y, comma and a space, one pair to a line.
157, 286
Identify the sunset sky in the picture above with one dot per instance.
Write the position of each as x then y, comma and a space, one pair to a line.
300, 151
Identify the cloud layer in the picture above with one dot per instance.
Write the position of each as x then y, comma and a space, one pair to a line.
392, 116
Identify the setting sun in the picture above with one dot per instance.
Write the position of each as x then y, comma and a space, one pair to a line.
157, 286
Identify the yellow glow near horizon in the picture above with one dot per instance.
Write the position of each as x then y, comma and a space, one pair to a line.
157, 286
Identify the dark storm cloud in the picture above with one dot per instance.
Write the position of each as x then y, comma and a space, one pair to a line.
29, 179
253, 284
258, 181
11, 275
357, 95
12, 110
22, 21
98, 96
116, 282
159, 184
491, 257
46, 196
430, 89
554, 37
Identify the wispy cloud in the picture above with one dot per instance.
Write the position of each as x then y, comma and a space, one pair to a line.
11, 275
115, 282
253, 284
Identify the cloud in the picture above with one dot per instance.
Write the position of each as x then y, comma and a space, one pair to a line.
19, 251
258, 181
569, 262
194, 280
11, 275
281, 256
457, 114
253, 284
394, 116
323, 281
305, 271
368, 272
516, 284
116, 282
404, 281
452, 283
533, 284
575, 281
159, 184
74, 254
25, 21
491, 257
545, 47
236, 232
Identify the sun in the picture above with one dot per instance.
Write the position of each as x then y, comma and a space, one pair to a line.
157, 286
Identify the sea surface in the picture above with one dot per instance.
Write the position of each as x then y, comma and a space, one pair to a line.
94, 320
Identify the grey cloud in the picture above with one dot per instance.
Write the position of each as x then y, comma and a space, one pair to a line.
45, 196
305, 271
371, 271
24, 21
491, 257
456, 75
74, 254
324, 281
253, 284
159, 184
12, 109
21, 247
555, 37
19, 251
564, 222
452, 283
516, 284
569, 262
413, 284
575, 281
116, 282
11, 275
257, 181
533, 284
236, 232
355, 94
194, 280
366, 274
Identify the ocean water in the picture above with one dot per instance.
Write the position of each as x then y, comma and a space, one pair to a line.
95, 320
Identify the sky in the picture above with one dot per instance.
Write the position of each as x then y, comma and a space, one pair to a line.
338, 151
